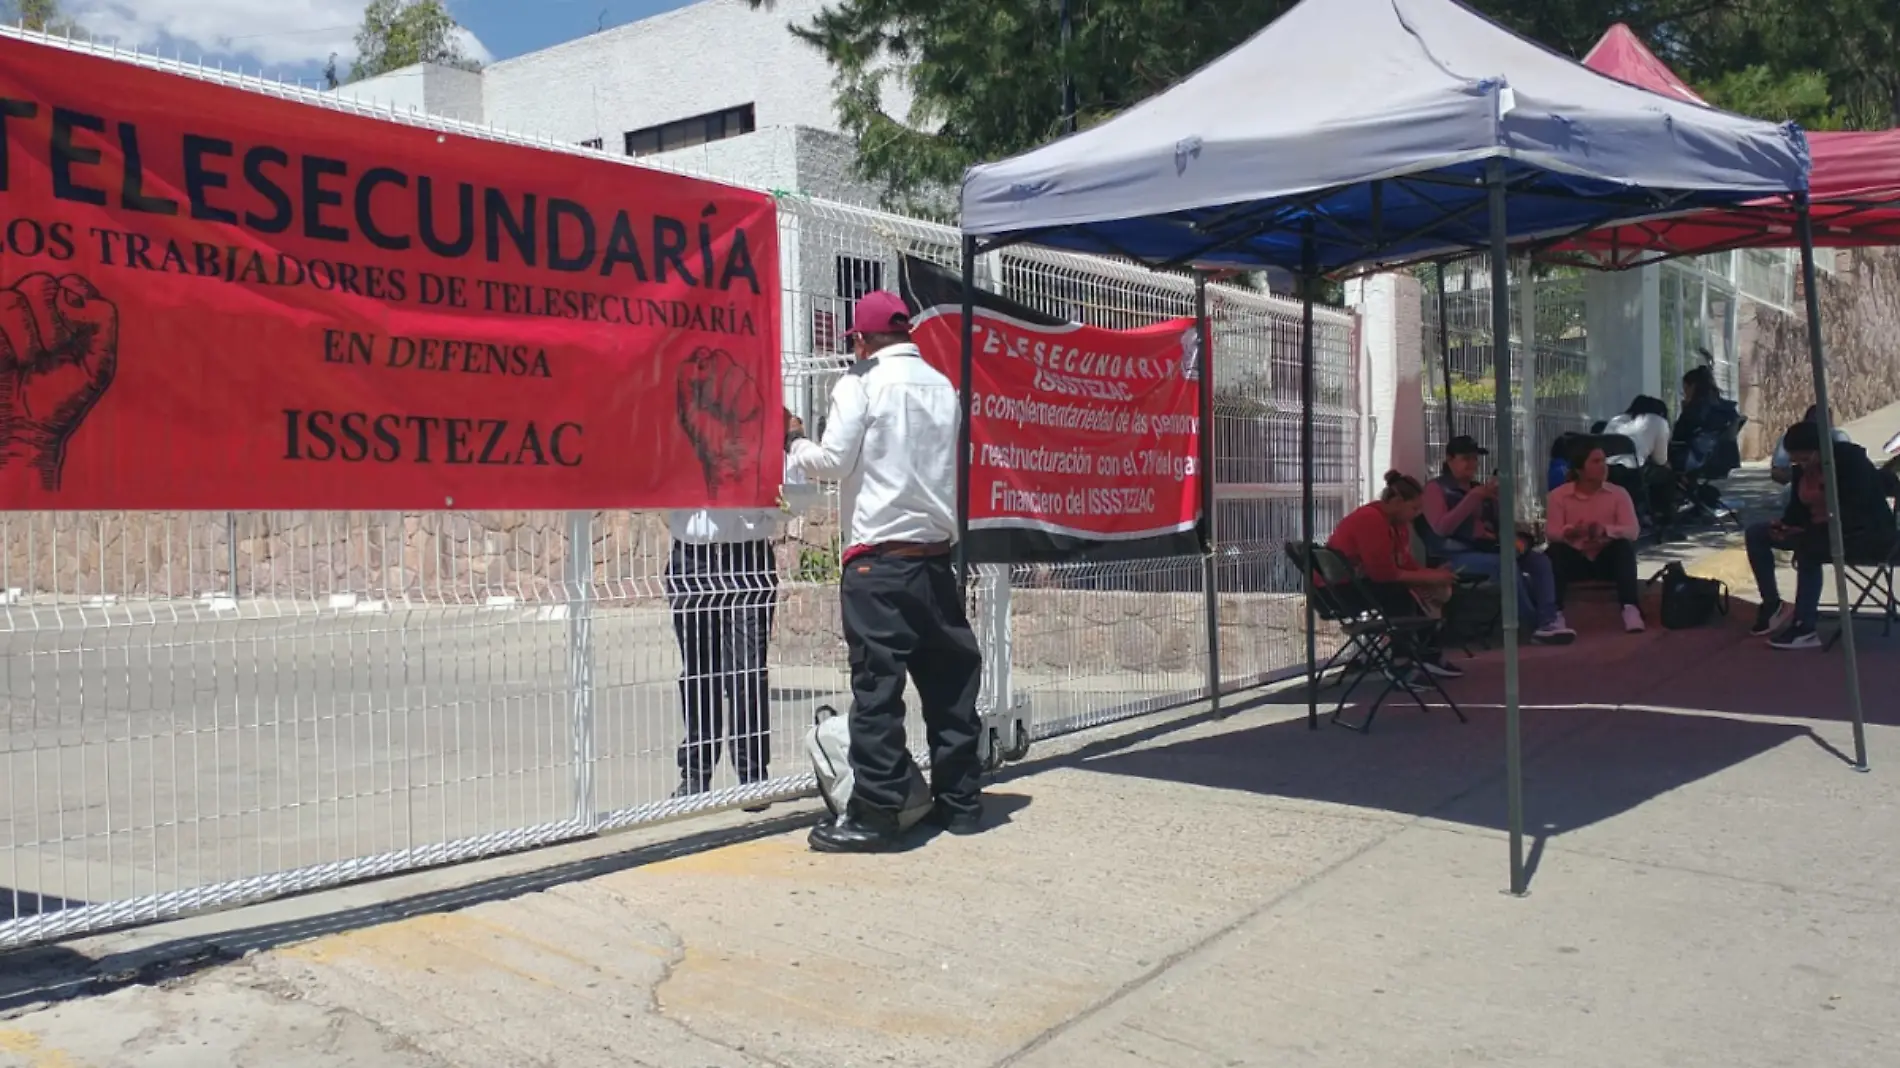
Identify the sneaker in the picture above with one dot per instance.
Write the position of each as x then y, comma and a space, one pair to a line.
1555, 632
1797, 636
1633, 619
1444, 669
1772, 619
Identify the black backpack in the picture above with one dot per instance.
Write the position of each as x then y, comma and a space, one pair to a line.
1688, 601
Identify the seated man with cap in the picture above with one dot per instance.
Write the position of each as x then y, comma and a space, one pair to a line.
1463, 517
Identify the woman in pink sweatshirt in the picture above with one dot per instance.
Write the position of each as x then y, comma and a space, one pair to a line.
1593, 529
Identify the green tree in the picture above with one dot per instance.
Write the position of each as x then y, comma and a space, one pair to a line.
401, 33
1853, 44
1762, 91
41, 16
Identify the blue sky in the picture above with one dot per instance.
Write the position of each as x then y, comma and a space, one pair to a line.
292, 38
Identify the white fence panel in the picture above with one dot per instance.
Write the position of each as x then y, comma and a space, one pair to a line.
206, 709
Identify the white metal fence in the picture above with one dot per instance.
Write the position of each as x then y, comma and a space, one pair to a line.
1550, 393
204, 709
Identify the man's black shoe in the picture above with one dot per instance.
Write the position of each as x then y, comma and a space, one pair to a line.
960, 822
850, 834
690, 788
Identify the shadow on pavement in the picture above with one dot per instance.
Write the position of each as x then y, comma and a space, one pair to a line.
1608, 724
56, 973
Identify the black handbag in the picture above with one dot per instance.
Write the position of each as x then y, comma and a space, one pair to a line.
1688, 601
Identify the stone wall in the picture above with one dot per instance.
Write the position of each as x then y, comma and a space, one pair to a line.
1860, 319
1145, 619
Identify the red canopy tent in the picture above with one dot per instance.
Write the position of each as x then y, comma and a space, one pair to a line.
1854, 185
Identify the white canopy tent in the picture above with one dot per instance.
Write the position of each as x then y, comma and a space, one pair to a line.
1353, 134
1376, 119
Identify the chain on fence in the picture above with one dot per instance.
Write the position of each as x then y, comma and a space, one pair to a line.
206, 709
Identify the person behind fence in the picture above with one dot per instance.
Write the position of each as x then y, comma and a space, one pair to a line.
722, 589
891, 439
1645, 472
1377, 541
1592, 526
1462, 514
1867, 532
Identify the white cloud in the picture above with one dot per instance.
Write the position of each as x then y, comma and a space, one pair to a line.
276, 33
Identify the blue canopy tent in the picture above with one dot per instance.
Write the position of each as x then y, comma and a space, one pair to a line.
1351, 135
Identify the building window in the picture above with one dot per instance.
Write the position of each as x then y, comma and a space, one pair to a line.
685, 133
856, 277
594, 142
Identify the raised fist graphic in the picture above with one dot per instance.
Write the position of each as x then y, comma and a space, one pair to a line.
718, 404
59, 348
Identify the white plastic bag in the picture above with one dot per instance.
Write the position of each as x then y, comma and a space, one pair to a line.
828, 744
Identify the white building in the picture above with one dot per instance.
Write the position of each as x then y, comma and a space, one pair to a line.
714, 88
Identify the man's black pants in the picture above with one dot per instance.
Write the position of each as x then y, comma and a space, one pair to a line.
1616, 562
905, 613
723, 598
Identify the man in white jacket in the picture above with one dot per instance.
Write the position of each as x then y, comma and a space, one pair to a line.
891, 441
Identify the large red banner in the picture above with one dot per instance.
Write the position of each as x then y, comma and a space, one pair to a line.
1085, 441
214, 298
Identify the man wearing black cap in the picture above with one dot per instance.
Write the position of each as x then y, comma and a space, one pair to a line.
1462, 515
891, 441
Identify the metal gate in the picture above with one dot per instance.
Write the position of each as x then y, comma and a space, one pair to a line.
206, 709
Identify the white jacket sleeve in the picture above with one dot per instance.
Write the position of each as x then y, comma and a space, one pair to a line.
835, 457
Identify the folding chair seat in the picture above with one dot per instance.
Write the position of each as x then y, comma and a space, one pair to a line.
1871, 578
1375, 641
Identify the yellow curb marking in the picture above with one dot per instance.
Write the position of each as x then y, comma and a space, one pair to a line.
37, 1053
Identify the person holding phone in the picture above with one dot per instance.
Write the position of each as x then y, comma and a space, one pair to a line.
1463, 517
1593, 530
1867, 530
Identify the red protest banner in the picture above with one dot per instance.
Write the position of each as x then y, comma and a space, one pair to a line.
1085, 440
212, 298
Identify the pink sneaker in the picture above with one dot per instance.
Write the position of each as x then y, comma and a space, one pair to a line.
1633, 619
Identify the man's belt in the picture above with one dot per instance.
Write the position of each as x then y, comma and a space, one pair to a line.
911, 549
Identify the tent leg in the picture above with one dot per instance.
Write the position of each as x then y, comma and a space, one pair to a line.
1444, 353
1507, 506
1309, 280
1830, 476
1210, 550
965, 391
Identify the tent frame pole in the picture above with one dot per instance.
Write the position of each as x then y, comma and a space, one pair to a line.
1507, 506
1210, 548
1309, 282
1830, 477
1444, 351
966, 361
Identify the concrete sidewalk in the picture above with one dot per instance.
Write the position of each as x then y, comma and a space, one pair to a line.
1713, 886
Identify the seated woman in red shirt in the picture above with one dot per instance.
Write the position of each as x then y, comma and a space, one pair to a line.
1377, 540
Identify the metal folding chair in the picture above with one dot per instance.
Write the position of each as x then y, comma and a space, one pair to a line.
1375, 641
1871, 578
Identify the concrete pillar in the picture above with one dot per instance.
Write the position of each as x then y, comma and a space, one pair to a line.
1623, 314
1391, 336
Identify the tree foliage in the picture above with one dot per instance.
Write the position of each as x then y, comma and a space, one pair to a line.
402, 33
40, 16
983, 80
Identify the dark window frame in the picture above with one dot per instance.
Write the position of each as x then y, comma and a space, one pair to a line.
692, 131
